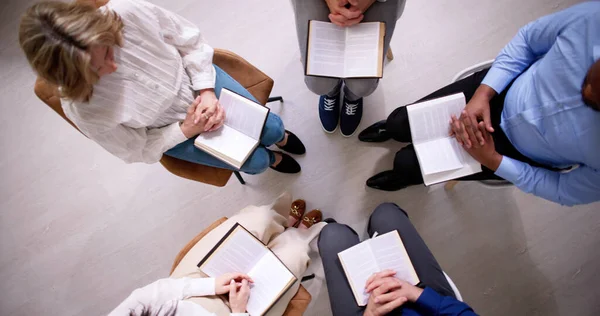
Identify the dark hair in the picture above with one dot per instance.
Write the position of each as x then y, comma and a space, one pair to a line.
147, 311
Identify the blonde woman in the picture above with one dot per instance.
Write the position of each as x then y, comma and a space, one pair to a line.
139, 80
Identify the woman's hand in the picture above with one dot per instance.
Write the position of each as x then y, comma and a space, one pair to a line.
342, 16
190, 126
223, 282
238, 300
211, 110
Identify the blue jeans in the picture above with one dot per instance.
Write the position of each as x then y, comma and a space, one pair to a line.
259, 161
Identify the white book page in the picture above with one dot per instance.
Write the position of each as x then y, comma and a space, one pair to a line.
390, 254
471, 166
362, 50
270, 277
431, 119
443, 154
242, 114
228, 144
359, 264
239, 253
326, 46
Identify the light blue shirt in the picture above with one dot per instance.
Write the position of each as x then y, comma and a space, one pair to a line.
544, 116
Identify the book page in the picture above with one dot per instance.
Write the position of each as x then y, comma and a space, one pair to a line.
359, 264
242, 114
227, 144
239, 253
430, 120
270, 278
390, 254
443, 154
325, 49
470, 167
362, 50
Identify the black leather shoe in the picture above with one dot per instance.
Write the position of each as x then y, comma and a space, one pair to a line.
294, 144
287, 164
375, 133
387, 181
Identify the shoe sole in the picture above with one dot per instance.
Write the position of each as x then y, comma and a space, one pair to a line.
328, 132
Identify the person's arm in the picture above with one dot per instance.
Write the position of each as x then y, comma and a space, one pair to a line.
134, 144
580, 186
531, 42
432, 303
165, 291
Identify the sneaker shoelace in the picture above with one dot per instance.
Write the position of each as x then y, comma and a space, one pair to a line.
351, 108
329, 104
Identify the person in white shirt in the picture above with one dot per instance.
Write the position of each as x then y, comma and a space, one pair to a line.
139, 80
165, 297
190, 292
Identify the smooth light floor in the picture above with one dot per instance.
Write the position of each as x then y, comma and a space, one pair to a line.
79, 229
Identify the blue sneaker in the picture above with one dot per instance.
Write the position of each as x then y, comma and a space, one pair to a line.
351, 116
329, 112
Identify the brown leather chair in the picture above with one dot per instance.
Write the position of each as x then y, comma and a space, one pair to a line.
250, 77
297, 305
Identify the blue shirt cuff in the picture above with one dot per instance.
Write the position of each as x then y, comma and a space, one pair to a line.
429, 301
498, 79
509, 169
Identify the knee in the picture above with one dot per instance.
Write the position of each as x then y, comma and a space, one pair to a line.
362, 87
273, 131
387, 213
332, 237
258, 162
398, 125
406, 159
321, 86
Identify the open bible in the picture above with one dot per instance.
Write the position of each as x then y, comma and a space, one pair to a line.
239, 251
240, 135
383, 252
345, 52
441, 157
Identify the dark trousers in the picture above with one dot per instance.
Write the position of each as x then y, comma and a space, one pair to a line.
406, 163
387, 217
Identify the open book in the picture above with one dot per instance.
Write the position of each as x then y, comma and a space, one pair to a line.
441, 157
384, 252
239, 251
240, 135
345, 52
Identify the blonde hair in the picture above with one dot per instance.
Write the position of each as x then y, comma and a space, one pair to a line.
56, 38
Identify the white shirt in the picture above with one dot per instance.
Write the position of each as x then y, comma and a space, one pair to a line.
134, 113
163, 295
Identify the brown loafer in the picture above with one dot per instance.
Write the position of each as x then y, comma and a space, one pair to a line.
313, 217
297, 210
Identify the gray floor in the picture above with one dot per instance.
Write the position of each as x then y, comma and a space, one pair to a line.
79, 229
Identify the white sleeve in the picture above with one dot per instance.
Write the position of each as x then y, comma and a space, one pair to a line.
163, 292
196, 53
135, 144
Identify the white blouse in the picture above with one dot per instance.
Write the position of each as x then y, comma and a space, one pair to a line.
134, 112
166, 294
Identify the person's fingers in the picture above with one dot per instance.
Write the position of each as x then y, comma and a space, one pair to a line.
379, 275
194, 105
390, 285
354, 21
487, 120
458, 129
337, 19
242, 277
387, 308
483, 128
353, 2
245, 289
388, 297
349, 14
232, 289
470, 133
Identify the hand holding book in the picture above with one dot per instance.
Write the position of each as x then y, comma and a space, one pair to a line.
223, 282
388, 293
